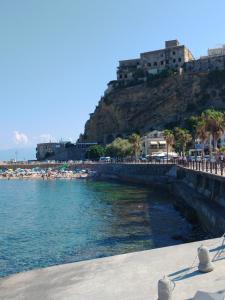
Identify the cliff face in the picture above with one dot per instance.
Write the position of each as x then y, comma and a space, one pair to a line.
162, 103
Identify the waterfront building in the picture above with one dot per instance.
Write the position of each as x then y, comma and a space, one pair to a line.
46, 150
62, 151
154, 143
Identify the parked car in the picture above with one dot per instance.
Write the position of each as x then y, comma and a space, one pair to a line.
206, 158
195, 158
105, 159
143, 159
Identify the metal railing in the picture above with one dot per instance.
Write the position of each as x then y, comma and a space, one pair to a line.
217, 167
204, 166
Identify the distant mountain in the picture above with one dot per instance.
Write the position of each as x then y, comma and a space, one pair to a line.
17, 153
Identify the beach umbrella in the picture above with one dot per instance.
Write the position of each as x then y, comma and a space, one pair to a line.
208, 296
64, 167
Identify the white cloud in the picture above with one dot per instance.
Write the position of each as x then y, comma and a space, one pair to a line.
46, 137
20, 138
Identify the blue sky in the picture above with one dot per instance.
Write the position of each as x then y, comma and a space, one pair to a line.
56, 56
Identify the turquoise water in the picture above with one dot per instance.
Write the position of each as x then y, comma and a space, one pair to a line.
43, 223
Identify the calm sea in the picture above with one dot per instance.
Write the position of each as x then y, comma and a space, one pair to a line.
43, 223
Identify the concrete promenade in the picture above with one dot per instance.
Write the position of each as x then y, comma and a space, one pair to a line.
132, 276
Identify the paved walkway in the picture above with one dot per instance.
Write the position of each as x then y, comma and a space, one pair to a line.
131, 276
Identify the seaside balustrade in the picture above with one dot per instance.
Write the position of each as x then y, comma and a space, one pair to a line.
216, 168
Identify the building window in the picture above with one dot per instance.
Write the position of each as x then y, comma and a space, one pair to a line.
155, 63
121, 76
167, 61
179, 59
162, 146
174, 52
138, 63
125, 75
153, 146
162, 62
149, 64
174, 60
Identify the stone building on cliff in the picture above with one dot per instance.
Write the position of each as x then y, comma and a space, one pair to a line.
215, 60
141, 100
173, 56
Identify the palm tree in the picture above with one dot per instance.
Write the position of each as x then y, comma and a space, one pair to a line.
214, 125
183, 137
202, 133
192, 123
135, 141
169, 137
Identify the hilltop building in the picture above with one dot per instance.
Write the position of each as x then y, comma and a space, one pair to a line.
217, 51
159, 89
206, 64
173, 56
215, 60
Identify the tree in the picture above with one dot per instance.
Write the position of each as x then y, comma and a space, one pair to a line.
95, 152
119, 148
202, 133
192, 124
214, 125
222, 150
169, 137
182, 137
135, 141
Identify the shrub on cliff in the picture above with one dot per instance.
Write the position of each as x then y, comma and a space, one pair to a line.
154, 80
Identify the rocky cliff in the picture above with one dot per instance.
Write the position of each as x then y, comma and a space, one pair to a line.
156, 104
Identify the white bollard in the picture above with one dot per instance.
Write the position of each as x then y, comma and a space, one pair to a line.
205, 263
165, 289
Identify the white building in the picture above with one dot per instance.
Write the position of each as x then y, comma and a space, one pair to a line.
154, 143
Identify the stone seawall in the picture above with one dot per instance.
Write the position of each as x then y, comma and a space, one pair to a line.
198, 194
147, 174
205, 194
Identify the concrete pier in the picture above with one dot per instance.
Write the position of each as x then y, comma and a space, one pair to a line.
132, 276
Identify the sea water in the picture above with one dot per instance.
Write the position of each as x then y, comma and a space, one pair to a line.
44, 223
